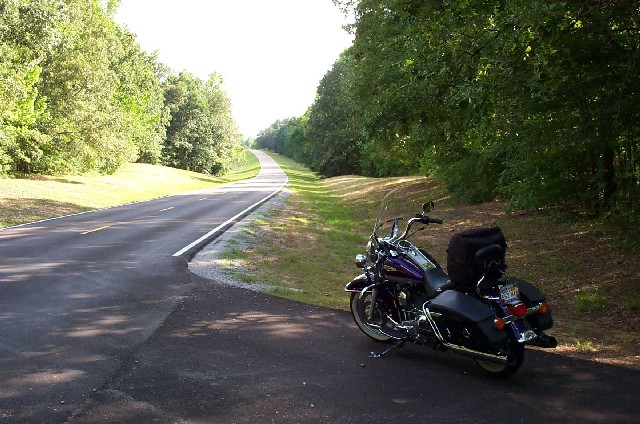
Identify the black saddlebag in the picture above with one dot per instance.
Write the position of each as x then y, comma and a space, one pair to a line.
463, 246
532, 295
466, 321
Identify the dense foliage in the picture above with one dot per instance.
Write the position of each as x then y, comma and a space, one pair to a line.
200, 113
78, 94
535, 101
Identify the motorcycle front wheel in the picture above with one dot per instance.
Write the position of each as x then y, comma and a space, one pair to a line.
516, 355
360, 310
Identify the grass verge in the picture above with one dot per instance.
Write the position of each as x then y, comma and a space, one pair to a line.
305, 244
592, 284
40, 197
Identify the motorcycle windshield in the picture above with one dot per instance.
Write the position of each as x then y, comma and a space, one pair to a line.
394, 211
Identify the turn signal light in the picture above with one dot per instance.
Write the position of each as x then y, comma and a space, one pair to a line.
543, 308
498, 323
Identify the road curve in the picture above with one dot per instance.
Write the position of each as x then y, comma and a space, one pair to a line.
80, 293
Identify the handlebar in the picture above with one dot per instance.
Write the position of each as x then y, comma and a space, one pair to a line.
421, 218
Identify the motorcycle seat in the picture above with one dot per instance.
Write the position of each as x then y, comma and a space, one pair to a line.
436, 281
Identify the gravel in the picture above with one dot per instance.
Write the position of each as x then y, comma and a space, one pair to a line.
208, 264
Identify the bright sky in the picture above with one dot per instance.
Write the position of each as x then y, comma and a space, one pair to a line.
271, 53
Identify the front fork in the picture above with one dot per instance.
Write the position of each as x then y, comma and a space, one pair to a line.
380, 293
374, 300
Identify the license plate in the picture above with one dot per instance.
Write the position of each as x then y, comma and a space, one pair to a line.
509, 292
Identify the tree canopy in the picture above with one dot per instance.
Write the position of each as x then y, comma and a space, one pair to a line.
533, 101
78, 94
202, 135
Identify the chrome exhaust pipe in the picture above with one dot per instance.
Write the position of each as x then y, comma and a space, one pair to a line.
461, 350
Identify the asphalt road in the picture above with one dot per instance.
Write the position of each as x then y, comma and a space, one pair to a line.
208, 353
78, 294
228, 355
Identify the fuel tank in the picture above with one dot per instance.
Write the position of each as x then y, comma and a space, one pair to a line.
401, 268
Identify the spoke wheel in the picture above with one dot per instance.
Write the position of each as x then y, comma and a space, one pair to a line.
360, 310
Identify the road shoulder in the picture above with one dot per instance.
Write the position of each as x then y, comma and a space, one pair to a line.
210, 262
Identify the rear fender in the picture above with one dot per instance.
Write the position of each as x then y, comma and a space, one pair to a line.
519, 330
532, 296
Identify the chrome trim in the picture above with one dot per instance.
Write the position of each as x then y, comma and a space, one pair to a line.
397, 327
498, 359
366, 289
530, 311
527, 336
415, 255
432, 322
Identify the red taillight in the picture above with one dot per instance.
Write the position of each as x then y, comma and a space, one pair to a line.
518, 310
499, 323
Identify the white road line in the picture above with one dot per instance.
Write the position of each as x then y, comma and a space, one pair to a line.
227, 222
166, 209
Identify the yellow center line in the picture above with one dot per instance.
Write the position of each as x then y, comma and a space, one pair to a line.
166, 209
96, 229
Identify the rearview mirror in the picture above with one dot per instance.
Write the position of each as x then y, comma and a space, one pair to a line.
428, 206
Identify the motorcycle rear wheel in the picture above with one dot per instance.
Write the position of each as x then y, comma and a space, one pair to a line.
516, 354
360, 309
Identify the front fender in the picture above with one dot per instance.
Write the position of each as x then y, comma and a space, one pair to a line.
360, 282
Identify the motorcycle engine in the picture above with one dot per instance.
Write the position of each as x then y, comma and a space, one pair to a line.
411, 297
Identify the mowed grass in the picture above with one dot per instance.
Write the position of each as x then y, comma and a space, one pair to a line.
30, 199
310, 244
307, 246
592, 282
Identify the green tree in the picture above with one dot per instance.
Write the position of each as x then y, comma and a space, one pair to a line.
536, 101
202, 135
27, 29
80, 84
275, 137
139, 99
77, 92
334, 129
577, 91
296, 144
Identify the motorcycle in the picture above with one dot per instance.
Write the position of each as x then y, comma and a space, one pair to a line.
475, 309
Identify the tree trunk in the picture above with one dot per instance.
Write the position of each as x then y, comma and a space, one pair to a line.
609, 176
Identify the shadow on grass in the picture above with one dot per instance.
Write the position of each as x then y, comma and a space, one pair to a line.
231, 176
20, 211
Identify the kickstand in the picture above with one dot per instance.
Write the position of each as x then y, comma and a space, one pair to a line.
381, 354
